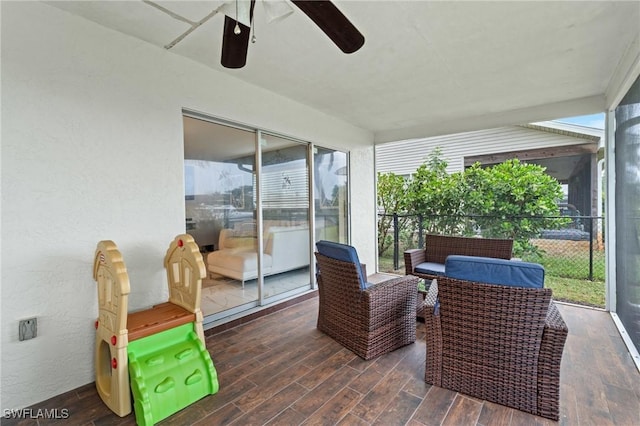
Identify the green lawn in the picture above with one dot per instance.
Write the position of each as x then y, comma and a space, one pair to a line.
581, 292
571, 264
567, 273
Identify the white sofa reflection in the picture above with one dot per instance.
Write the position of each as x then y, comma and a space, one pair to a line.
285, 248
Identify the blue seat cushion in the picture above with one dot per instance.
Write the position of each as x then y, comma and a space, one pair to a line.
345, 253
495, 271
430, 268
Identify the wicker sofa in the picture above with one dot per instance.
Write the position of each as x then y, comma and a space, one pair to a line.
428, 262
500, 341
369, 319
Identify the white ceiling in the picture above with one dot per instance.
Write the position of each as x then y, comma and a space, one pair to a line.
426, 68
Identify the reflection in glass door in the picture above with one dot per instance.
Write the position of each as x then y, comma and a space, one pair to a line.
284, 198
219, 170
330, 189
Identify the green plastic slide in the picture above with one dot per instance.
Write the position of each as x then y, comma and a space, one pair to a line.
169, 371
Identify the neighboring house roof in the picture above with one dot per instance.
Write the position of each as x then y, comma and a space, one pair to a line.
567, 129
540, 140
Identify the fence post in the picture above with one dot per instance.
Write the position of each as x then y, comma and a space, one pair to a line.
420, 237
396, 235
590, 248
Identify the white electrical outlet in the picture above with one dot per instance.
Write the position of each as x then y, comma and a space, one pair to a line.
28, 329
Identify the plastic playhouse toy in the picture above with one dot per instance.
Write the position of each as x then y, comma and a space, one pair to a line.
157, 354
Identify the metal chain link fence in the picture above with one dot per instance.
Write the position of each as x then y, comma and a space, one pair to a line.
573, 255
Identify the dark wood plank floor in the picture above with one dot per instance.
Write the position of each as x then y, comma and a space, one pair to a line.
280, 370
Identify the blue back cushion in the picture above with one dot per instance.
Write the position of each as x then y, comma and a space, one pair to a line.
344, 253
495, 271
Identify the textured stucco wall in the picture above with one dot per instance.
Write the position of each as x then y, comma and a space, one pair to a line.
92, 148
363, 206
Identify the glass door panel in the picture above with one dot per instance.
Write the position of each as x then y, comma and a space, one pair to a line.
219, 168
284, 197
331, 200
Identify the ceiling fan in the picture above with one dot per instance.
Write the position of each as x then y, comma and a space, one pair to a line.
235, 38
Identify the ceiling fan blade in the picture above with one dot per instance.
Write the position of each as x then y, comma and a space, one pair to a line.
235, 46
334, 24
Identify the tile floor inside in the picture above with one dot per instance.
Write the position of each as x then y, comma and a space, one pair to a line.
222, 293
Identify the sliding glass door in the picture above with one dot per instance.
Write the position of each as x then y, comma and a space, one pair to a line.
219, 168
284, 196
248, 206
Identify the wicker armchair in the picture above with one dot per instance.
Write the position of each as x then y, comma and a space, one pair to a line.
428, 262
498, 343
370, 320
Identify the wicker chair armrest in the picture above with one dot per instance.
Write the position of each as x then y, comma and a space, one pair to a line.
555, 333
431, 298
399, 285
554, 337
413, 258
554, 322
433, 337
383, 296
